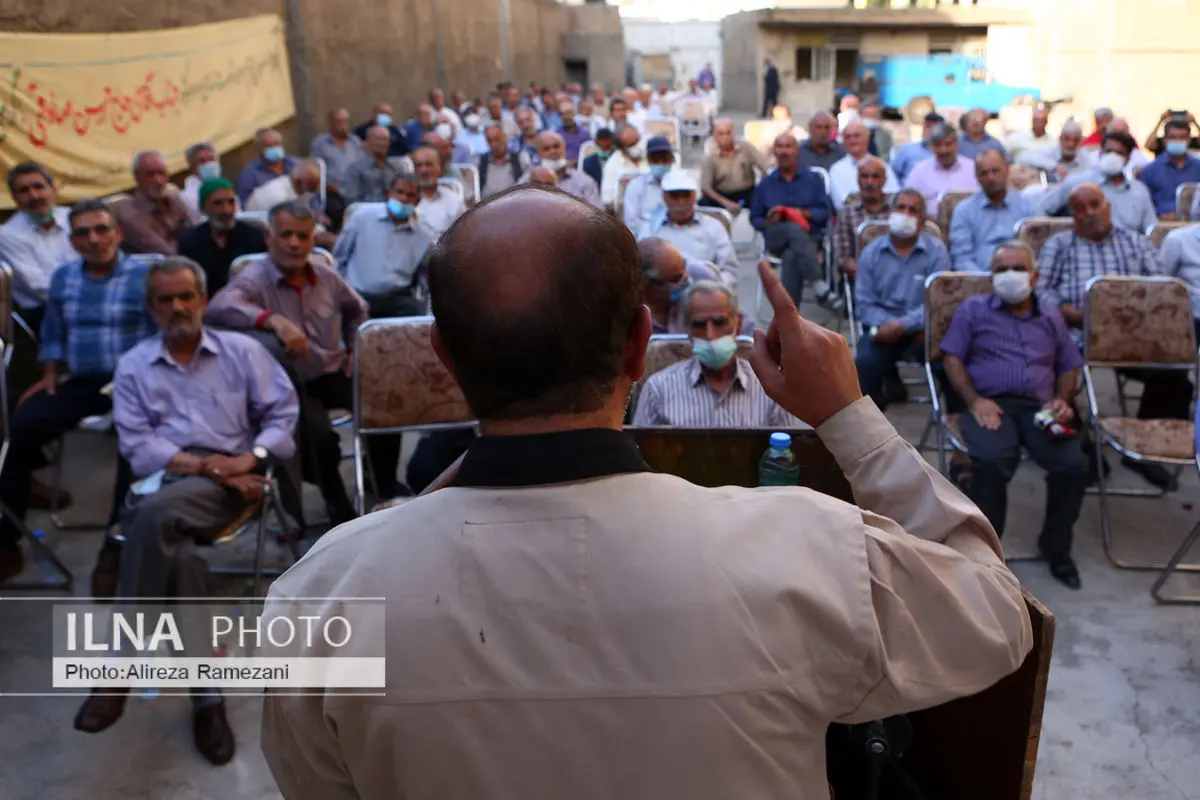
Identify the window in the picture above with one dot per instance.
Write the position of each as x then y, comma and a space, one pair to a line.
804, 63
812, 63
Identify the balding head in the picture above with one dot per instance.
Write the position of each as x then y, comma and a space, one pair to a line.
554, 330
786, 151
306, 177
975, 122
1091, 211
872, 175
1041, 116
1118, 125
551, 150
543, 176
723, 134
378, 141
820, 129
991, 170
856, 139
440, 145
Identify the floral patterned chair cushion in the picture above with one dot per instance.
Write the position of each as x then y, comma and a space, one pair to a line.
1139, 321
1161, 229
943, 296
946, 205
1152, 438
1036, 231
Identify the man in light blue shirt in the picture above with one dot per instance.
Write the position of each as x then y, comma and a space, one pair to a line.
987, 218
909, 155
975, 139
1172, 167
890, 292
381, 249
1181, 258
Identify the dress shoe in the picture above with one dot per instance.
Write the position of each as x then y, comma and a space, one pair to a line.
108, 569
40, 496
12, 562
1155, 474
1064, 571
100, 711
214, 737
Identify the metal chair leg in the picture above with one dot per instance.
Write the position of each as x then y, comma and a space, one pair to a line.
41, 553
55, 515
1172, 567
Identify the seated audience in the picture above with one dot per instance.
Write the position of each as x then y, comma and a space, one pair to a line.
500, 169
95, 311
975, 140
1010, 357
415, 129
1102, 117
312, 316
619, 117
543, 176
599, 99
152, 219
204, 410
1096, 247
498, 116
987, 218
872, 204
843, 175
1173, 167
889, 293
1132, 208
628, 157
271, 162
337, 147
397, 141
822, 148
1036, 138
472, 138
728, 174
699, 237
573, 133
1181, 258
593, 165
666, 275
203, 163
458, 101
644, 193
1137, 159
714, 388
785, 195
222, 237
35, 241
525, 141
589, 119
437, 99
1061, 160
367, 179
947, 171
1154, 142
551, 156
448, 154
909, 155
439, 205
303, 182
881, 142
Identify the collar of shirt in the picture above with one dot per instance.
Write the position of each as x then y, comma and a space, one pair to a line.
548, 458
996, 304
696, 374
406, 226
959, 163
695, 220
278, 276
59, 214
918, 246
1189, 162
207, 345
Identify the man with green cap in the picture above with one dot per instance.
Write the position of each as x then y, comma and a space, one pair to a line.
216, 242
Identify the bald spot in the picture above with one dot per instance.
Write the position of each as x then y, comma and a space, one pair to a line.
722, 124
662, 254
1085, 193
544, 176
307, 171
547, 138
785, 139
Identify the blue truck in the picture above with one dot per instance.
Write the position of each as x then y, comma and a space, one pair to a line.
945, 80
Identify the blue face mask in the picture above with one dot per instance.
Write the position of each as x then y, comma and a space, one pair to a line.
678, 291
715, 354
659, 170
211, 169
398, 210
1177, 149
383, 120
274, 154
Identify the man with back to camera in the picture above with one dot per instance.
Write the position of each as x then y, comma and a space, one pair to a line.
559, 588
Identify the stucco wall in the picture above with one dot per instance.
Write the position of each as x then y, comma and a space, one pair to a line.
740, 77
594, 34
690, 45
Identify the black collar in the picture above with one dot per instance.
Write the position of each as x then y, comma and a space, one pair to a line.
545, 458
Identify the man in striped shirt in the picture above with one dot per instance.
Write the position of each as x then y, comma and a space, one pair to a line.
714, 388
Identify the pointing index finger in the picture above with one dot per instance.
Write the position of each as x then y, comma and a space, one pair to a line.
781, 302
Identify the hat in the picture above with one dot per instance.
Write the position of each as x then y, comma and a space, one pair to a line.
933, 116
658, 144
211, 185
679, 181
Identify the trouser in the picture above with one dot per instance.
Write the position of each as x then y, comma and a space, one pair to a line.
744, 197
401, 303
797, 251
25, 369
770, 100
434, 454
1166, 393
40, 420
996, 454
160, 557
876, 361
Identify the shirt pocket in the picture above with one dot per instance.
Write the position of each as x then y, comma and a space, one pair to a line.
226, 414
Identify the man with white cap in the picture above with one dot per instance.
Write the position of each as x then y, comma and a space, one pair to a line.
698, 236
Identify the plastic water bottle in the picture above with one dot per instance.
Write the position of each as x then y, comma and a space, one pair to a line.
778, 465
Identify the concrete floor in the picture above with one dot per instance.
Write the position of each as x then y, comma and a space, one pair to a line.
1122, 717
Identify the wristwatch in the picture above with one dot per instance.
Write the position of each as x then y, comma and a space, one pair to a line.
261, 453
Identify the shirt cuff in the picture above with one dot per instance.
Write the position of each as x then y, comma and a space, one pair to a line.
261, 318
279, 443
858, 429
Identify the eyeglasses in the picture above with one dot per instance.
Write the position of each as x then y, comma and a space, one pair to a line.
99, 230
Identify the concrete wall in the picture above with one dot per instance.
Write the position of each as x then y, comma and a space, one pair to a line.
740, 77
594, 34
689, 45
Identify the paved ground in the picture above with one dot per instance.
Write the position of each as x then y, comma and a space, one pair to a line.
1122, 718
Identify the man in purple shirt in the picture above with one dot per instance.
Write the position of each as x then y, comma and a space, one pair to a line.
947, 171
573, 134
272, 161
199, 413
1011, 358
314, 316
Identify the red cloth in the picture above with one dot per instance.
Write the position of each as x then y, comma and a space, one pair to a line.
1093, 140
794, 215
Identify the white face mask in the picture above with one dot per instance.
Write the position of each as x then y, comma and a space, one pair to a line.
446, 131
471, 121
634, 152
554, 164
902, 225
869, 123
1110, 164
1012, 286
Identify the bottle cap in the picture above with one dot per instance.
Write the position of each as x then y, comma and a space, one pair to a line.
781, 441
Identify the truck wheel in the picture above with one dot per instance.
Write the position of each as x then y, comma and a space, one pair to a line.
917, 108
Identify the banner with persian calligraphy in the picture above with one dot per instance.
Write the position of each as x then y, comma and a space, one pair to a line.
84, 104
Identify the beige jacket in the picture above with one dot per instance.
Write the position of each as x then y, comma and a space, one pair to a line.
636, 636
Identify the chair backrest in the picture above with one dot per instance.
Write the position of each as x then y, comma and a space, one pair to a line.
454, 185
1185, 194
946, 206
1159, 230
1144, 321
469, 175
944, 293
720, 214
824, 173
622, 184
240, 262
1036, 231
401, 163
399, 382
872, 229
586, 149
6, 307
694, 110
1021, 177
664, 127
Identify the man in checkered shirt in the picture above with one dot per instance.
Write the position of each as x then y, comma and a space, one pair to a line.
1094, 248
